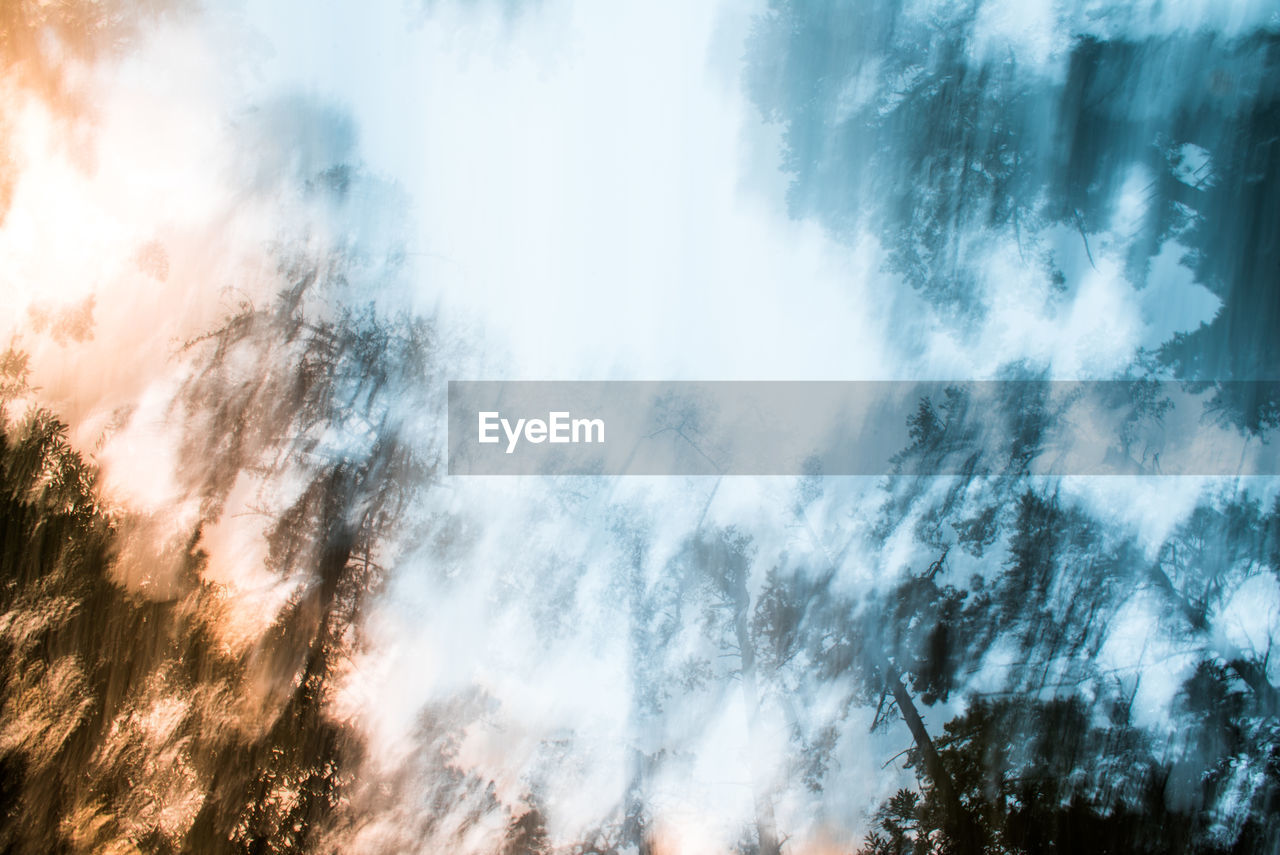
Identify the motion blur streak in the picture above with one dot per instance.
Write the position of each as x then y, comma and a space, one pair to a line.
243, 249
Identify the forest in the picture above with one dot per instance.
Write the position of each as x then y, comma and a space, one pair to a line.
316, 640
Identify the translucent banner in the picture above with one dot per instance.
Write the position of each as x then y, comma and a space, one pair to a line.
1120, 427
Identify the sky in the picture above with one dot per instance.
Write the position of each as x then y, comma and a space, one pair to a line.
574, 190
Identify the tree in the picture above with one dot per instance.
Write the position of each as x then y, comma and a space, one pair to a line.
327, 400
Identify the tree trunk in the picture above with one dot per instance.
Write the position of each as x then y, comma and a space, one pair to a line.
634, 832
766, 825
960, 825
